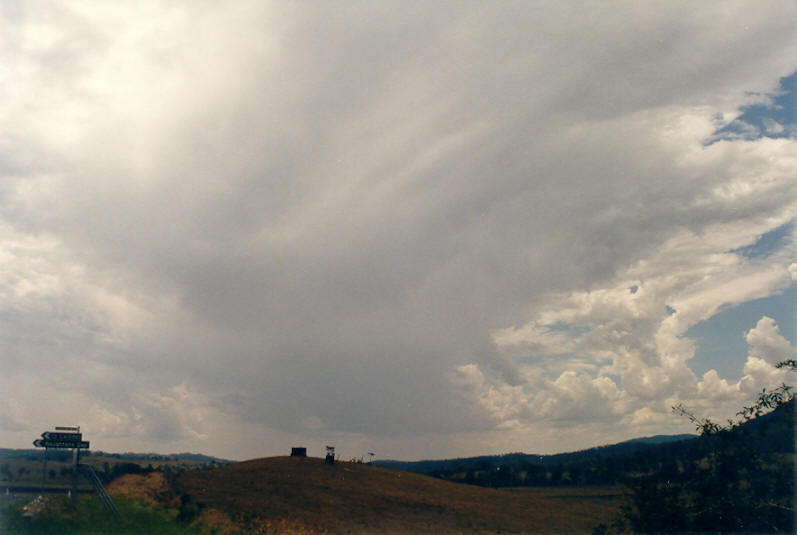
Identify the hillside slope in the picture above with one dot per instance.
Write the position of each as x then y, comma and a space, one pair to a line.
307, 495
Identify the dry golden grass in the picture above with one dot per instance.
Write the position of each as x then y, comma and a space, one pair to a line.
150, 488
305, 495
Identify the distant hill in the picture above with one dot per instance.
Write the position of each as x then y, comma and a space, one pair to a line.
658, 439
604, 465
10, 453
193, 457
599, 452
306, 495
21, 468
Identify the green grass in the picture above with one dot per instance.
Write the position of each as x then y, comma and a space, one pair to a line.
91, 518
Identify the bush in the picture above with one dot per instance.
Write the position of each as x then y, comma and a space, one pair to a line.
744, 482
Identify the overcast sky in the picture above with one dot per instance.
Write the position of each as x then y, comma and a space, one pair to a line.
422, 229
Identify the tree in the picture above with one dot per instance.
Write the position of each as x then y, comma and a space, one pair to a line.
743, 483
5, 470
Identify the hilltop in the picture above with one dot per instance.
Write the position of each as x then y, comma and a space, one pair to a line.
306, 495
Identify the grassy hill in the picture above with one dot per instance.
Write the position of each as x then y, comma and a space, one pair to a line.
305, 495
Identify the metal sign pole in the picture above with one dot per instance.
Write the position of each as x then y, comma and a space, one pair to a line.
63, 438
75, 456
44, 470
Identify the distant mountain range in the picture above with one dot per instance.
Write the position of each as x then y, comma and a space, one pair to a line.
622, 448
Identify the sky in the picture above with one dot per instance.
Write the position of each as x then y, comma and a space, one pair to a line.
419, 229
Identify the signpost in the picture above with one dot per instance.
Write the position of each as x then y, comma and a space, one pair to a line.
65, 438
70, 438
61, 444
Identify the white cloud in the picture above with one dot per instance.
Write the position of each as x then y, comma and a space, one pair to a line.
759, 374
574, 396
766, 342
713, 387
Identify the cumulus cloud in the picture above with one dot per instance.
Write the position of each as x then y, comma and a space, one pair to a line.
633, 332
401, 225
766, 342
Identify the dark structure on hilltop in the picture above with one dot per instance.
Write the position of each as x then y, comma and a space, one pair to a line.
298, 452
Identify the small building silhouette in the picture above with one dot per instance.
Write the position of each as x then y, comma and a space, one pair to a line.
298, 452
330, 458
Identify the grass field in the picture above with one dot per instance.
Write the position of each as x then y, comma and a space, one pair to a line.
307, 496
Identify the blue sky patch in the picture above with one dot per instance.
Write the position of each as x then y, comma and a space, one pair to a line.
573, 331
775, 120
720, 339
767, 243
